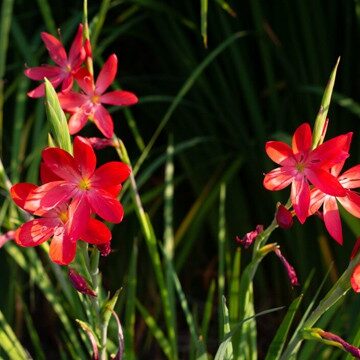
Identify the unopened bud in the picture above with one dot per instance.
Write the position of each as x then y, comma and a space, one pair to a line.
284, 217
4, 238
100, 143
249, 237
80, 284
331, 339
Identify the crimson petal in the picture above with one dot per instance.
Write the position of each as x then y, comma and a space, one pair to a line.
119, 98
277, 179
103, 121
302, 139
35, 232
105, 205
107, 74
300, 198
96, 233
62, 249
110, 174
324, 181
84, 156
332, 219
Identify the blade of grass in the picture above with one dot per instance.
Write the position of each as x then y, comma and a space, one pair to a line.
155, 330
45, 10
5, 23
208, 311
204, 15
130, 304
221, 264
169, 244
9, 342
280, 337
183, 91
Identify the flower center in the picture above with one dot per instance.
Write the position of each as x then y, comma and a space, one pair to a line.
95, 99
84, 184
300, 167
63, 216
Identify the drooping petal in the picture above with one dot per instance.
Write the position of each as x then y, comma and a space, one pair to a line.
19, 192
302, 139
105, 205
35, 232
332, 219
279, 152
324, 181
110, 174
351, 202
71, 101
350, 179
55, 48
62, 249
104, 121
84, 156
331, 152
317, 198
76, 49
61, 163
79, 215
119, 98
96, 233
300, 198
277, 179
77, 121
47, 196
107, 75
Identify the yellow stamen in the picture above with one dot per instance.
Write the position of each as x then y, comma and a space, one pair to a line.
84, 184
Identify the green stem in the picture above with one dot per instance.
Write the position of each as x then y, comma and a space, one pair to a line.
151, 243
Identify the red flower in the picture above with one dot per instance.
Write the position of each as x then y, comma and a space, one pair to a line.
66, 65
76, 179
58, 225
350, 179
88, 104
355, 279
300, 165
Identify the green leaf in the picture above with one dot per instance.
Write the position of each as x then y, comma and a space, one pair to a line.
155, 330
57, 119
279, 340
320, 121
9, 342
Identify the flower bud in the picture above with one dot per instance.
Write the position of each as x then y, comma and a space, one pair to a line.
4, 238
284, 217
80, 284
100, 143
249, 237
331, 339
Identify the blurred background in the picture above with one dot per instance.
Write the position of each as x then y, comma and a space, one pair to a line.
261, 74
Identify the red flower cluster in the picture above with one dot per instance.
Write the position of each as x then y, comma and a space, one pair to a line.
72, 191
86, 104
314, 177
